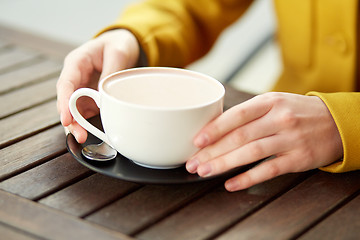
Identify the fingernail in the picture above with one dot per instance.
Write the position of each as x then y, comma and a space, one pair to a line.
192, 165
201, 141
232, 185
205, 170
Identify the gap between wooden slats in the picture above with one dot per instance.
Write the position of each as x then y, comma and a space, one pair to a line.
32, 152
46, 178
60, 184
10, 232
27, 97
342, 224
89, 195
49, 223
47, 46
37, 72
297, 210
15, 57
148, 205
28, 123
223, 210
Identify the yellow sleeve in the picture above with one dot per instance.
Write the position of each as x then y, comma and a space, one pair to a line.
177, 32
345, 109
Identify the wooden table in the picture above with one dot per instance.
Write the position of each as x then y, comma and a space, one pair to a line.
46, 194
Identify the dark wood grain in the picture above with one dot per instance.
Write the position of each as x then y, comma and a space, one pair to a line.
48, 223
11, 233
14, 56
88, 195
46, 178
37, 72
146, 206
24, 98
47, 46
234, 97
46, 194
343, 224
217, 211
27, 123
32, 151
295, 211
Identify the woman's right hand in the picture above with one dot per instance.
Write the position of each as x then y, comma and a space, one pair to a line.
83, 67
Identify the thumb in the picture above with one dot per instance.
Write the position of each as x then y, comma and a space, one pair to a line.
120, 52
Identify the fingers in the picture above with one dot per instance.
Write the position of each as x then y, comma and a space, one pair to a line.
231, 119
64, 91
233, 140
78, 72
244, 155
79, 133
261, 173
117, 56
294, 128
70, 79
115, 59
111, 52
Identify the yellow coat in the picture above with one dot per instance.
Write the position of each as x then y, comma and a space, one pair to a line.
318, 40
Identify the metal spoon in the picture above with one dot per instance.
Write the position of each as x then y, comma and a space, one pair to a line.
99, 152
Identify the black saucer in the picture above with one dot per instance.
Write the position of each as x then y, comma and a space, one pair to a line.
125, 169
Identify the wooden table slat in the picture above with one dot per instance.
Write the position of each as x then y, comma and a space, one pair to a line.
46, 194
14, 57
46, 178
223, 209
49, 223
234, 97
47, 46
343, 224
146, 206
28, 122
31, 74
32, 151
4, 44
89, 194
298, 209
11, 233
27, 97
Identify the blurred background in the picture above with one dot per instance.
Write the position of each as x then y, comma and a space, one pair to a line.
246, 54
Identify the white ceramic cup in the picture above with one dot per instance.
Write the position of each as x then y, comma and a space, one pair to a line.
151, 115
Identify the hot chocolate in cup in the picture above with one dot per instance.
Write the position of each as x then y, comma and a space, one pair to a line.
151, 115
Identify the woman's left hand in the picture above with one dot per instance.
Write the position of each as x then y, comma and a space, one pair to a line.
298, 130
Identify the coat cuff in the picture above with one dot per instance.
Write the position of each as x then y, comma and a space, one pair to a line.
345, 110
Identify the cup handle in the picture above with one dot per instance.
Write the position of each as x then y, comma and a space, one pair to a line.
95, 95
